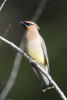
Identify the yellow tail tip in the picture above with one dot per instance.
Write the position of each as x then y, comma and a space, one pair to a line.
44, 90
48, 88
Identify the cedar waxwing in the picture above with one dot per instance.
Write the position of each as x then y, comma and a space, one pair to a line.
35, 47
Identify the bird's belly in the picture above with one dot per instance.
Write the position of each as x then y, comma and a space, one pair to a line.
36, 54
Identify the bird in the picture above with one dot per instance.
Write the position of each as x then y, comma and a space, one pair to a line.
34, 45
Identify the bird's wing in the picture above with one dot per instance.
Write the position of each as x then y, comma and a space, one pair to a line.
43, 45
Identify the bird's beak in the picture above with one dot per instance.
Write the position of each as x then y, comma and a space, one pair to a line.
24, 23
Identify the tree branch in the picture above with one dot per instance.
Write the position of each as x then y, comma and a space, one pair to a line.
18, 57
3, 4
37, 65
39, 10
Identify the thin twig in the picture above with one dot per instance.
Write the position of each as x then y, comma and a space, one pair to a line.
39, 10
11, 79
37, 65
1, 7
18, 57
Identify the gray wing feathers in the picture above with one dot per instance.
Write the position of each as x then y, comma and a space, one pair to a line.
43, 45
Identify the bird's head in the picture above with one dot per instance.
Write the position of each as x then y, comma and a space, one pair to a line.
30, 25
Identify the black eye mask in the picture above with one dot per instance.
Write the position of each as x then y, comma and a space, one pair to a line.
28, 24
25, 23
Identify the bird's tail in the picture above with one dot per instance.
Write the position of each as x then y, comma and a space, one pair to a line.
46, 84
47, 87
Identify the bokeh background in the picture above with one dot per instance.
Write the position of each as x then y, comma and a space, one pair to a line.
53, 27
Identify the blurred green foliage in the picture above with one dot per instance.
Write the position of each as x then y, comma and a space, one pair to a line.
53, 27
